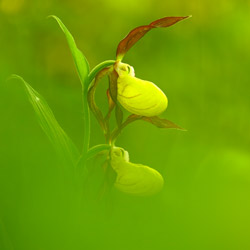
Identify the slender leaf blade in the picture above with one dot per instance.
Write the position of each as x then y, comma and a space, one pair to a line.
80, 60
65, 148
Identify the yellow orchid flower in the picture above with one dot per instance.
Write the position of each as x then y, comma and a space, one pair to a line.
137, 96
134, 179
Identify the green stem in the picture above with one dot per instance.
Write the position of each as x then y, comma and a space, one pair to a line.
99, 67
91, 77
86, 121
92, 152
97, 149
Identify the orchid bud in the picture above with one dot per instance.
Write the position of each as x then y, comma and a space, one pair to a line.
137, 96
134, 179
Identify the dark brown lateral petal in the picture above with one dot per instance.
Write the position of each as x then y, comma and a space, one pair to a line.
91, 97
110, 100
134, 36
167, 21
111, 105
137, 33
113, 76
161, 123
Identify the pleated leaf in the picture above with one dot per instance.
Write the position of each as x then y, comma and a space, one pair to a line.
63, 145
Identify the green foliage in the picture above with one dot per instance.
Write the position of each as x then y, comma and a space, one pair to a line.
80, 60
82, 67
203, 67
60, 140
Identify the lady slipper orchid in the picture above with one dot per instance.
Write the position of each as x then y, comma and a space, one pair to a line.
138, 96
141, 98
134, 179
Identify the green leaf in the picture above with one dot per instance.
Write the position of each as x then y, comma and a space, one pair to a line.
161, 123
65, 148
81, 62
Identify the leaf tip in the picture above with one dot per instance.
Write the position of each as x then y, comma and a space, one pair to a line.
187, 17
52, 16
14, 76
182, 129
56, 18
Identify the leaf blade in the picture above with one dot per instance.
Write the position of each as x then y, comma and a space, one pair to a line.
81, 63
65, 148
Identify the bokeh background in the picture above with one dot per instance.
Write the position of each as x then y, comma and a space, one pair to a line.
202, 64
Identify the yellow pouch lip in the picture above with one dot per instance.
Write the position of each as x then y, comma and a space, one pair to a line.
138, 96
134, 179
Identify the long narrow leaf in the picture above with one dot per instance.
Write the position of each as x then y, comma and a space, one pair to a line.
80, 60
65, 148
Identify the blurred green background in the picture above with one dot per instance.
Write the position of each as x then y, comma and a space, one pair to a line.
202, 64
